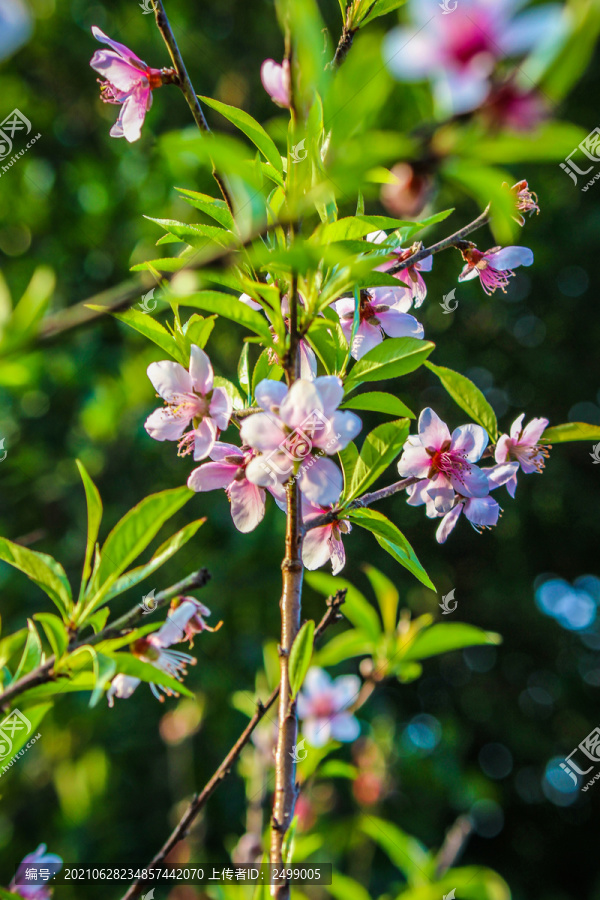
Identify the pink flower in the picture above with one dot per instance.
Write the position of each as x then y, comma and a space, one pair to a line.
411, 275
526, 201
494, 267
38, 859
129, 82
229, 472
276, 81
323, 705
509, 106
444, 463
523, 446
189, 396
325, 542
382, 311
482, 512
458, 52
298, 427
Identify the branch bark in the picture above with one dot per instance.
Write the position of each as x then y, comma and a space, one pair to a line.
45, 673
445, 244
196, 805
360, 502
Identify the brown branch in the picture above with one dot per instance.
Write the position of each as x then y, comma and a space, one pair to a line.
454, 844
445, 244
185, 83
196, 805
344, 45
45, 673
360, 502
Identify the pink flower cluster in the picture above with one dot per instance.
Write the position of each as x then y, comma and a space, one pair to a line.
185, 619
448, 479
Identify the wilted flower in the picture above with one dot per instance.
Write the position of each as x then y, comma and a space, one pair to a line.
458, 52
494, 267
325, 542
522, 446
382, 311
129, 82
482, 512
189, 396
298, 426
276, 81
323, 705
39, 858
526, 201
229, 471
443, 463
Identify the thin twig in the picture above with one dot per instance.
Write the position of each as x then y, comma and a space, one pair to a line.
445, 244
360, 502
45, 673
454, 844
187, 88
182, 828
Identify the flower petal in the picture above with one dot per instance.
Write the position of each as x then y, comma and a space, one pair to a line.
205, 436
169, 378
433, 432
346, 689
344, 727
201, 370
510, 258
300, 404
220, 408
211, 476
315, 547
262, 431
470, 481
269, 393
320, 480
121, 49
247, 505
470, 440
116, 71
483, 512
133, 113
367, 336
331, 391
447, 524
343, 427
415, 461
162, 425
534, 430
399, 324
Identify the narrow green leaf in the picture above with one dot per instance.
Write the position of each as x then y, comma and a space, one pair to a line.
216, 209
32, 654
265, 368
251, 129
391, 539
348, 459
390, 359
55, 632
131, 665
42, 569
379, 450
197, 235
300, 656
353, 227
348, 645
244, 369
34, 713
356, 608
94, 517
104, 669
151, 329
442, 638
12, 645
405, 851
379, 401
387, 597
570, 431
343, 887
468, 397
381, 8
230, 308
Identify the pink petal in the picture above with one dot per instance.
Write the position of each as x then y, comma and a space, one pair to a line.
470, 482
211, 476
468, 273
367, 336
317, 681
247, 505
415, 461
344, 307
331, 391
133, 112
300, 404
320, 480
399, 324
343, 427
266, 471
533, 431
499, 475
269, 393
116, 71
220, 408
201, 371
315, 547
346, 689
162, 425
344, 727
483, 513
338, 556
205, 436
517, 427
447, 524
169, 378
221, 450
121, 49
510, 258
433, 432
317, 731
262, 431
247, 299
276, 81
308, 361
470, 440
503, 448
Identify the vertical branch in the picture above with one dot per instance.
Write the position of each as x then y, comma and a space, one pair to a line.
286, 792
185, 83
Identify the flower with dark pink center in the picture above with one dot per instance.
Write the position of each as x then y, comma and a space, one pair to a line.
229, 471
382, 311
494, 267
323, 707
523, 446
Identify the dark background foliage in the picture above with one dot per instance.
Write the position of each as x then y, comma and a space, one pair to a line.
104, 786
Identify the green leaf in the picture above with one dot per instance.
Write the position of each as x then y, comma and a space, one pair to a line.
34, 714
344, 888
198, 235
104, 669
348, 459
230, 308
353, 227
216, 209
166, 550
381, 8
94, 517
265, 368
405, 851
300, 656
132, 534
356, 607
244, 369
32, 654
196, 330
447, 636
355, 642
387, 597
131, 665
231, 390
251, 129
337, 768
570, 431
43, 570
151, 329
379, 401
390, 359
379, 450
391, 539
55, 632
468, 397
11, 645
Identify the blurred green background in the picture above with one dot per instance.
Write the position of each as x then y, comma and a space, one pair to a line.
477, 731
